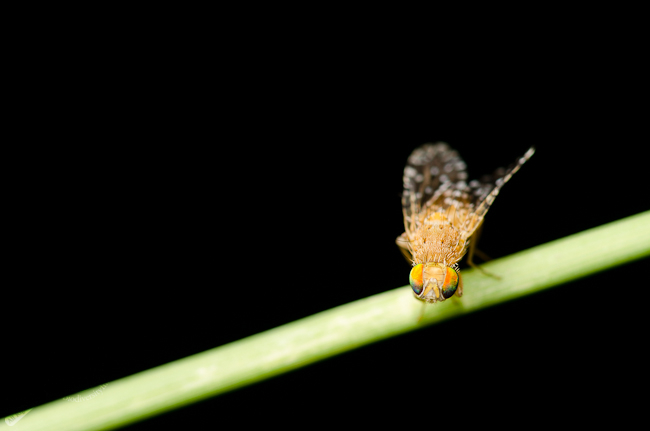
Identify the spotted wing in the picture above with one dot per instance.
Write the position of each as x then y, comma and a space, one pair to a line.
432, 170
478, 196
435, 189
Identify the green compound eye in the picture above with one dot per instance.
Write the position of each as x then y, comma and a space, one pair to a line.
415, 278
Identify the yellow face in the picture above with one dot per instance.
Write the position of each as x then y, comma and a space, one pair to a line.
432, 282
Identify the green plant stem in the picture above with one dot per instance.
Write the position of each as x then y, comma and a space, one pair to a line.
343, 328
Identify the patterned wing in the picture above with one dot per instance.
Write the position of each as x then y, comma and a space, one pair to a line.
435, 189
432, 170
479, 195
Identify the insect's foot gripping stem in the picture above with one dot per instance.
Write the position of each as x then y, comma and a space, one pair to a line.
484, 271
473, 250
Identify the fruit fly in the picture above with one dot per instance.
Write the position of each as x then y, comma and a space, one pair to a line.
443, 214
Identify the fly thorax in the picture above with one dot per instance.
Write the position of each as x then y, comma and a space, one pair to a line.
437, 242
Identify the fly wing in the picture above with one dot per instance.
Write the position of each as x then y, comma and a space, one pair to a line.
435, 193
481, 194
432, 171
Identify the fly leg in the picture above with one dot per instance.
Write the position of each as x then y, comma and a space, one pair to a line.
479, 253
403, 244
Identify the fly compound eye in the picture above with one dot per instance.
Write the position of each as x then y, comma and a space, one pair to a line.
450, 284
415, 278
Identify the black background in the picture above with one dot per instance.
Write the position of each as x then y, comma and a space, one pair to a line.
168, 219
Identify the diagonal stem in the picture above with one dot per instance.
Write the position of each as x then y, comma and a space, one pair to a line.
340, 329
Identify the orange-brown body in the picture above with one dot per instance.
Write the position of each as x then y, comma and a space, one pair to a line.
442, 212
